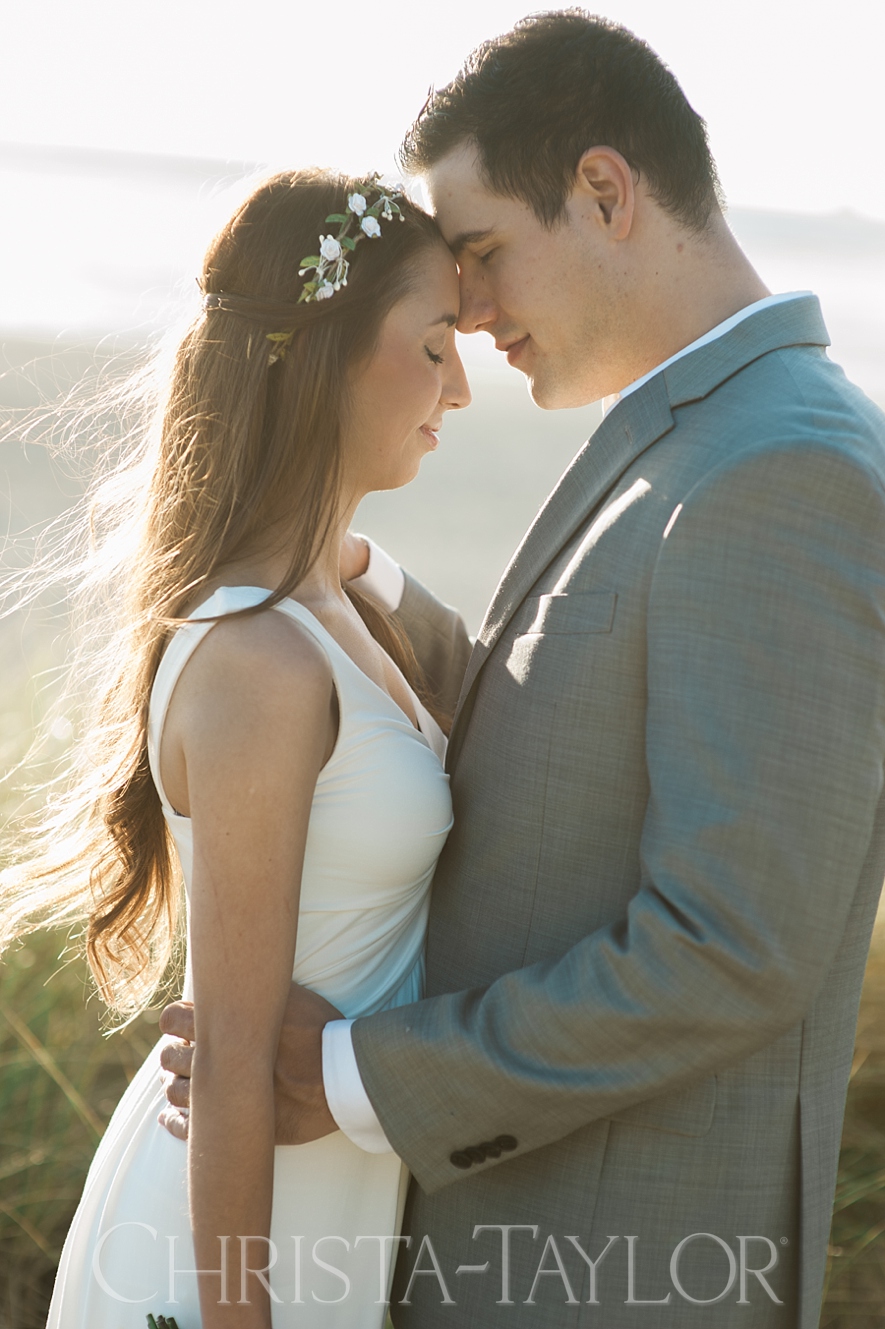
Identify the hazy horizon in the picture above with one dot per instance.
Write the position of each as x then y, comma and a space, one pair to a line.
108, 242
106, 246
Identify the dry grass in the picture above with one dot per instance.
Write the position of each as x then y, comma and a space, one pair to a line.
855, 1296
59, 1083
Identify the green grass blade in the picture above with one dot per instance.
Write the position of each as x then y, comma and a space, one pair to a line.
45, 1059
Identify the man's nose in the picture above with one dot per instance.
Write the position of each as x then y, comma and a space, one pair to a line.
477, 308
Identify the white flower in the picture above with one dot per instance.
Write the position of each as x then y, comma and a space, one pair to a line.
325, 291
371, 227
330, 249
356, 203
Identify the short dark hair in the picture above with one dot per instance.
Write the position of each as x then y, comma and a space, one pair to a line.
535, 99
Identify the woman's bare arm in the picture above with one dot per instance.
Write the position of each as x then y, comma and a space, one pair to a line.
249, 728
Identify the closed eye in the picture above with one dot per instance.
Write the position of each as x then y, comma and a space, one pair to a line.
436, 359
484, 258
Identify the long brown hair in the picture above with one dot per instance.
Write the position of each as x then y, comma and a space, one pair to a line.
242, 447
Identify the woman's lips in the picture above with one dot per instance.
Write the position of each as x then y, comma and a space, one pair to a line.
430, 435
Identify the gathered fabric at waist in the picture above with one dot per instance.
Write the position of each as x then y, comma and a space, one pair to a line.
362, 961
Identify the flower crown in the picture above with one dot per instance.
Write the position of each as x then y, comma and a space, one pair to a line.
331, 266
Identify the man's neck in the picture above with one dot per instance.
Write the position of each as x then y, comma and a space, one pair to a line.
714, 333
692, 284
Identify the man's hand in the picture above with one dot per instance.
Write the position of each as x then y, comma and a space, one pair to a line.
302, 1113
354, 558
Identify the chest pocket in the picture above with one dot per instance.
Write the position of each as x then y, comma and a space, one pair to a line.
567, 615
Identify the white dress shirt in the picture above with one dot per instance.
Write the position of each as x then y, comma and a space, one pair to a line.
384, 581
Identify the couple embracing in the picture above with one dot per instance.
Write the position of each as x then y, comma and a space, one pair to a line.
656, 838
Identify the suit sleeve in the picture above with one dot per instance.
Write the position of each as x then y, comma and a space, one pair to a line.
765, 742
439, 640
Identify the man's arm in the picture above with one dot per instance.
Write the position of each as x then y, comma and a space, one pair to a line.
442, 646
765, 743
439, 639
437, 632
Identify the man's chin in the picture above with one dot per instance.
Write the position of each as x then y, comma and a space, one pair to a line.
558, 396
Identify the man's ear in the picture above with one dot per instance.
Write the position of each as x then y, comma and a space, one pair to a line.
605, 189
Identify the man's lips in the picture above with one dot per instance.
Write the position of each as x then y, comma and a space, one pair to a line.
512, 349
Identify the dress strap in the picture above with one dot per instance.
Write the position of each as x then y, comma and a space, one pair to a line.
186, 639
228, 600
427, 727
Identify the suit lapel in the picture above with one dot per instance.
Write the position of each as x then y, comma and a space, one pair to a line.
626, 432
623, 435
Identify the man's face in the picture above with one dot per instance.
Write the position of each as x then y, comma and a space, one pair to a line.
548, 297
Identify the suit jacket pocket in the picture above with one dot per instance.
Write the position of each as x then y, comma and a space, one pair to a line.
553, 615
686, 1111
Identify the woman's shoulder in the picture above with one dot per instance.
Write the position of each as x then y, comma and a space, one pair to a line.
263, 672
244, 694
270, 651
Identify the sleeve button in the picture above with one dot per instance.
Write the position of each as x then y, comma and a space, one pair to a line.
507, 1142
461, 1159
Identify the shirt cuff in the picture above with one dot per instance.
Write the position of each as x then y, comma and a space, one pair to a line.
384, 580
346, 1096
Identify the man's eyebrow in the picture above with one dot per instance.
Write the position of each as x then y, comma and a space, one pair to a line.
469, 238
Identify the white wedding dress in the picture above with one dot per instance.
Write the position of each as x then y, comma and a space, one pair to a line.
380, 816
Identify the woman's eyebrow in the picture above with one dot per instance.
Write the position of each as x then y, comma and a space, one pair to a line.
449, 319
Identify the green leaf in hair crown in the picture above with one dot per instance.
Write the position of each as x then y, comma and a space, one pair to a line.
361, 221
160, 1322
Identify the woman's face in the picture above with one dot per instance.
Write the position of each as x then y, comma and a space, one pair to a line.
399, 398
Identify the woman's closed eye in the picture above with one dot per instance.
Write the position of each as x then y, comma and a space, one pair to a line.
436, 359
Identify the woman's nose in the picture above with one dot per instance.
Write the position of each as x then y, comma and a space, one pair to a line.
456, 390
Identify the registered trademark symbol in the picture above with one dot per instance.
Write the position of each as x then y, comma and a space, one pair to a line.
785, 1241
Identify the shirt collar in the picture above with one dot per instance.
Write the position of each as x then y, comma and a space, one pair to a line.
608, 403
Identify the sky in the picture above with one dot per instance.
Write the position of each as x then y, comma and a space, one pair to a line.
791, 89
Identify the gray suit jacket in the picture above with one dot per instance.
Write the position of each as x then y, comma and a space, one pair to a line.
650, 923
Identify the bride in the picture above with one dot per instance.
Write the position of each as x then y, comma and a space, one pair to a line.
267, 726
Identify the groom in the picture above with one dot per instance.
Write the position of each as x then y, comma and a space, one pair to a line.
621, 1100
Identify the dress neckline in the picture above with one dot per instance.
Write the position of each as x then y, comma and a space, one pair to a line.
289, 599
